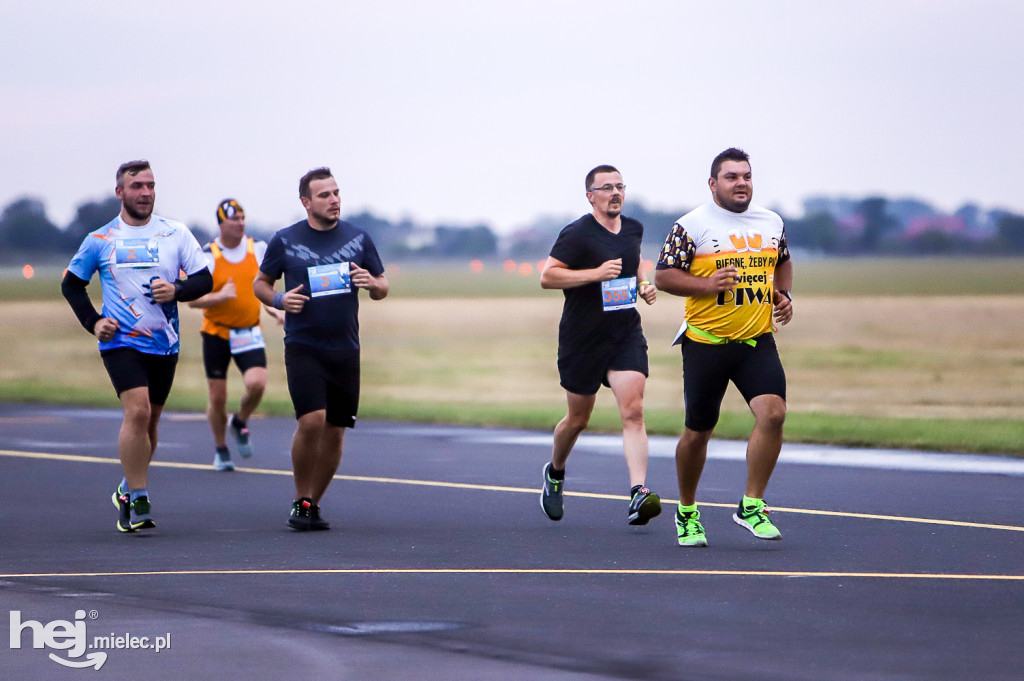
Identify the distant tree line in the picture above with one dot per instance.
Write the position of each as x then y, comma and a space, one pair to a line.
880, 226
830, 226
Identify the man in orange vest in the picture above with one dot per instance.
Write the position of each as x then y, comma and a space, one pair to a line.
231, 330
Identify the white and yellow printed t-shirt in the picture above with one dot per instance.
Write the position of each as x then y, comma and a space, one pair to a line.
709, 238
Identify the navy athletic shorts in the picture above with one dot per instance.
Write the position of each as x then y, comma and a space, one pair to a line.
323, 379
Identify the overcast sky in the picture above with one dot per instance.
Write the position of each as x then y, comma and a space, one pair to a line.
469, 112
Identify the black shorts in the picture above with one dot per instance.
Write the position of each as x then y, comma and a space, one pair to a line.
323, 379
128, 368
217, 356
707, 370
584, 372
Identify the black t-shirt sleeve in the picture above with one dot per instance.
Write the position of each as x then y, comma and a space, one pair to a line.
567, 247
371, 259
273, 259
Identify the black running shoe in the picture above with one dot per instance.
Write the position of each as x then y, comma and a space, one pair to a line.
644, 506
315, 521
241, 434
300, 518
141, 519
124, 510
551, 495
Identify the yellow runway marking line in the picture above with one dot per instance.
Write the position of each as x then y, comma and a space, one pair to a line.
518, 490
523, 571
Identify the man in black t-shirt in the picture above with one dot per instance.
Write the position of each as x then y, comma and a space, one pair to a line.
596, 262
325, 261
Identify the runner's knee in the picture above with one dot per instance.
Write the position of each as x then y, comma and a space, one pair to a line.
769, 411
137, 414
576, 423
255, 382
633, 416
313, 421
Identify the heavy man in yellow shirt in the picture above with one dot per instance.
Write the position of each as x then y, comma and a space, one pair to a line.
729, 258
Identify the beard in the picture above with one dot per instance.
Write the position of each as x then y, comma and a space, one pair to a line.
734, 206
324, 218
137, 213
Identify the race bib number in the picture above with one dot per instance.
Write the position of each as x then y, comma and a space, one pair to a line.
136, 253
244, 340
329, 280
619, 294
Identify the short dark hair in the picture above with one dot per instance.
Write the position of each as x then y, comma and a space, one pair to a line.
600, 169
132, 168
730, 154
314, 174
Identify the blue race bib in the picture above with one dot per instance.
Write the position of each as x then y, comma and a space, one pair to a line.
329, 280
618, 294
136, 253
244, 340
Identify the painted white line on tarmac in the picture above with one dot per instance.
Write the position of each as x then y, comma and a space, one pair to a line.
816, 455
660, 446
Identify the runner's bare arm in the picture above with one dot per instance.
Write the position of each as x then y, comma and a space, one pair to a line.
291, 301
680, 283
783, 281
557, 275
226, 292
377, 286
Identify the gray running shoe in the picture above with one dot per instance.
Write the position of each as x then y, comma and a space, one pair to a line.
551, 495
241, 434
124, 510
222, 461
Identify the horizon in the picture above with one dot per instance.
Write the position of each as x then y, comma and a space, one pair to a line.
465, 113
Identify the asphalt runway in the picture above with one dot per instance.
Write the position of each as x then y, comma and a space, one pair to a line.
441, 565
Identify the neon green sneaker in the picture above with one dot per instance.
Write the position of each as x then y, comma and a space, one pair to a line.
752, 514
689, 529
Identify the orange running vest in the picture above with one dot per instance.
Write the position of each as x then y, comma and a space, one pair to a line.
242, 311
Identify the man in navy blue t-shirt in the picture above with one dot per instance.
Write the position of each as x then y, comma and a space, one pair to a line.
325, 261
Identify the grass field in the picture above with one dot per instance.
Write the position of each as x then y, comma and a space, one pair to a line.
917, 354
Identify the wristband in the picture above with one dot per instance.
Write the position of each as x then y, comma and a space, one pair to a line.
279, 300
786, 293
644, 283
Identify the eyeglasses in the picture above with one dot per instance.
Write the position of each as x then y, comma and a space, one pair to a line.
609, 187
